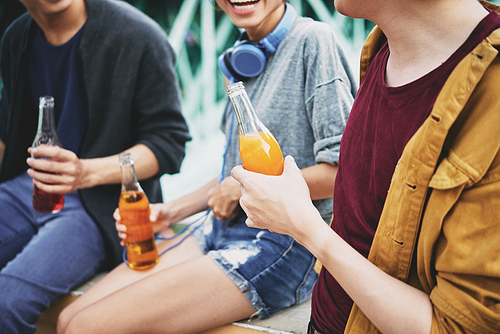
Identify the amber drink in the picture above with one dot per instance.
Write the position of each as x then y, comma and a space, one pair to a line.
134, 214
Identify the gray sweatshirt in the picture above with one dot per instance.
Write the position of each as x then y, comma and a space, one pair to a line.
303, 97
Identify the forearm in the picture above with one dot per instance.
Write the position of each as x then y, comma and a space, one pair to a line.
282, 204
192, 203
320, 179
107, 170
392, 305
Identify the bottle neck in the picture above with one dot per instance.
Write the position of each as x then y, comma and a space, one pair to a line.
129, 179
46, 119
248, 121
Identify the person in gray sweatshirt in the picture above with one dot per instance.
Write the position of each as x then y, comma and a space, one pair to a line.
226, 271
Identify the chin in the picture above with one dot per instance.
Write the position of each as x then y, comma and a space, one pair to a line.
348, 8
48, 7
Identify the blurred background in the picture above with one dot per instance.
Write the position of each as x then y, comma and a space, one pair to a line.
199, 34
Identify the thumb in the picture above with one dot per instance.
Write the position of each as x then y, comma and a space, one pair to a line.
290, 166
238, 173
153, 216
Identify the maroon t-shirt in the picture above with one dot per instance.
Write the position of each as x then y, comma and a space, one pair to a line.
381, 122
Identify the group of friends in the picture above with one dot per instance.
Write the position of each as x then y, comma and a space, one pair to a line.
387, 213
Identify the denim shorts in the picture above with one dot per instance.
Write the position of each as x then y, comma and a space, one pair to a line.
272, 270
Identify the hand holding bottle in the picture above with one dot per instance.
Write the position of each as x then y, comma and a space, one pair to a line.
58, 171
281, 204
160, 217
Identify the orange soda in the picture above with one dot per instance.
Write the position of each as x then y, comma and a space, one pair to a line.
134, 213
261, 153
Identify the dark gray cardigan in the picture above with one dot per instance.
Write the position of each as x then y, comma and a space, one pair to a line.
131, 98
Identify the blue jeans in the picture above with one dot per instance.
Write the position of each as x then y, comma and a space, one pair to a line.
42, 256
272, 270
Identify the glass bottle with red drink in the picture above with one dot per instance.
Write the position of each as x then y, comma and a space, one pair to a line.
134, 210
46, 135
259, 150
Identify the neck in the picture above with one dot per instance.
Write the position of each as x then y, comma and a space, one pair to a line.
260, 31
422, 37
60, 26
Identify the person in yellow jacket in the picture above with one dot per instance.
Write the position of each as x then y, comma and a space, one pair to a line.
415, 235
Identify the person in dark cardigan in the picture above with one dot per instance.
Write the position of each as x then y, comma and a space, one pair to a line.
110, 69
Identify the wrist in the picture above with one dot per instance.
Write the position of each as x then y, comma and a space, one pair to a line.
313, 233
89, 179
177, 211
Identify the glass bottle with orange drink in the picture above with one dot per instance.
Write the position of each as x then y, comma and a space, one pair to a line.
46, 135
134, 214
259, 150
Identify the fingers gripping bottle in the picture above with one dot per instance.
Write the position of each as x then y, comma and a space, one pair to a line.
46, 135
259, 150
134, 213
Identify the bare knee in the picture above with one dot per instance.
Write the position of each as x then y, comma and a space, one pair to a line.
64, 318
71, 324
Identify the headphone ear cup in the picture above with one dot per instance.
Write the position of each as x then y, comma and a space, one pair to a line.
247, 60
225, 65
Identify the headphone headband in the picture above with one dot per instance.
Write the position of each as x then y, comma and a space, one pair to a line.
271, 41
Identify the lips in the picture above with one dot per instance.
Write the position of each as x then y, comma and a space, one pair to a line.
242, 5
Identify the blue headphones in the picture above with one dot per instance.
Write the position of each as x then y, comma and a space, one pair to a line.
247, 59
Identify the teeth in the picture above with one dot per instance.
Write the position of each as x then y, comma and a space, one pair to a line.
243, 7
243, 4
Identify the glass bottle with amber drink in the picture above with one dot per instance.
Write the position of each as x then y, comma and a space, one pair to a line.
46, 135
134, 214
259, 150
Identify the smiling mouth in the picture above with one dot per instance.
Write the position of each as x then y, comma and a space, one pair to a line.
243, 4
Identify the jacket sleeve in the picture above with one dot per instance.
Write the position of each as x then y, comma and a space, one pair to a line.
466, 295
160, 124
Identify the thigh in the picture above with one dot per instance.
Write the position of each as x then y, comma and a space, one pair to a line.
17, 219
66, 250
185, 298
123, 276
275, 270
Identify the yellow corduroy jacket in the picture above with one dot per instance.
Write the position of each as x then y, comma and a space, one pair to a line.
443, 205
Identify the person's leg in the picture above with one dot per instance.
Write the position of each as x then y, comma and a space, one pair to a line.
66, 250
185, 293
122, 276
17, 218
275, 271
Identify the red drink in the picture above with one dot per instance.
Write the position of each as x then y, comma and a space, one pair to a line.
47, 203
